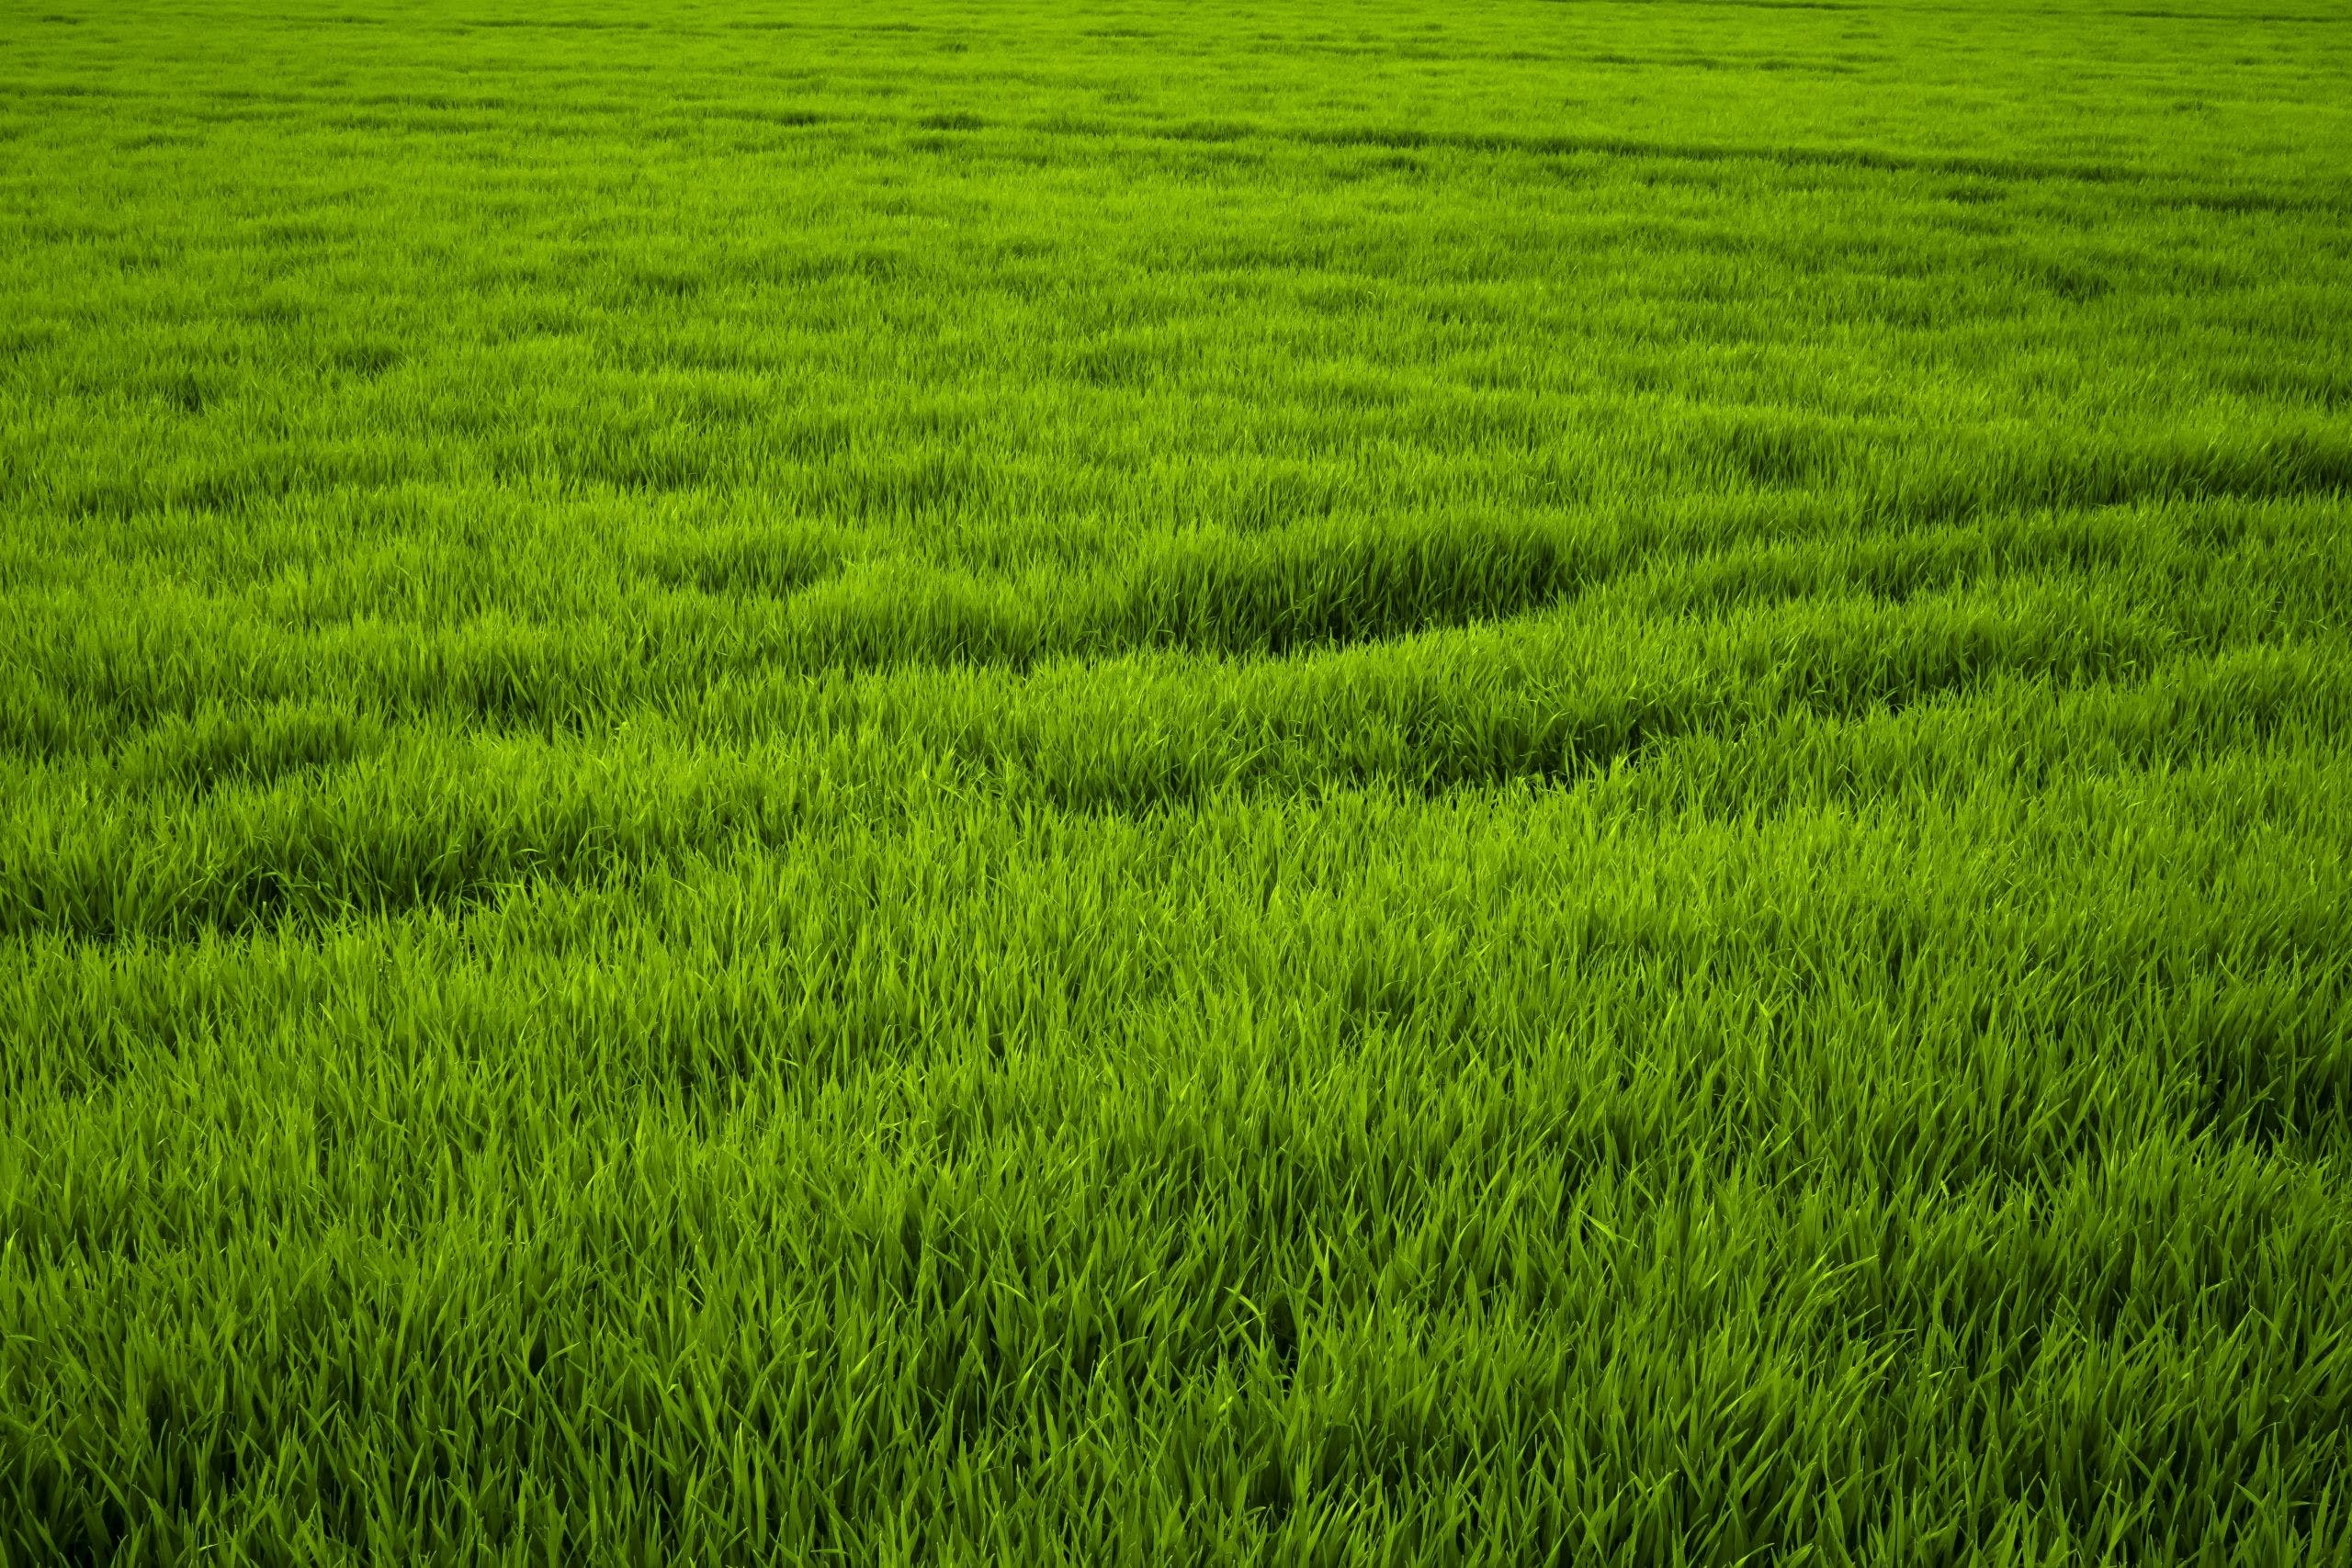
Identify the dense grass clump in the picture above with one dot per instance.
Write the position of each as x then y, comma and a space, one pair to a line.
1308, 783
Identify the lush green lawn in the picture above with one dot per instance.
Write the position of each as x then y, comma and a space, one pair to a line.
1154, 783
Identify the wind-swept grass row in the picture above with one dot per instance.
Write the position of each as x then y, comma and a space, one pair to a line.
380, 638
451, 820
307, 810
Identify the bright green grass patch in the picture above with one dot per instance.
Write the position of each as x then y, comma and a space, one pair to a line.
1552, 781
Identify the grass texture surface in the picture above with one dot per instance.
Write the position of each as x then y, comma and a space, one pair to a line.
1310, 783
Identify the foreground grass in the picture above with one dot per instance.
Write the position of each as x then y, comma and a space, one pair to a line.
1314, 784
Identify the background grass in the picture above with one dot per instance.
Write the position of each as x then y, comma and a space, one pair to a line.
1312, 784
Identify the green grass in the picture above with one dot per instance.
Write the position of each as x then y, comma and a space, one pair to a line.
1279, 783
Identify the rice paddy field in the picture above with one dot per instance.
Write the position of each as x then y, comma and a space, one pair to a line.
1507, 782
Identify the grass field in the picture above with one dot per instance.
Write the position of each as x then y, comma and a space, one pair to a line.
1485, 783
